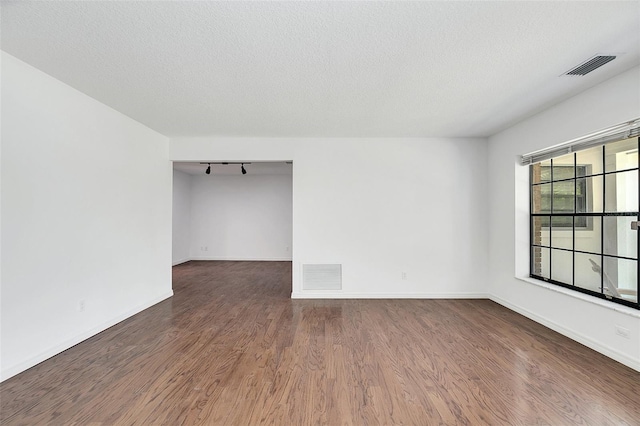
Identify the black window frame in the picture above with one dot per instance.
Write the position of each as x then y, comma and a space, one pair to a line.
547, 217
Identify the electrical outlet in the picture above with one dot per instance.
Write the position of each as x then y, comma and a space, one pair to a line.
621, 331
288, 248
81, 305
404, 275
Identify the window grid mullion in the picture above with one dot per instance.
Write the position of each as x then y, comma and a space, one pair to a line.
604, 202
551, 226
573, 221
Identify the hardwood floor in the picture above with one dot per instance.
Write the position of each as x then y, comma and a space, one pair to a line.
231, 348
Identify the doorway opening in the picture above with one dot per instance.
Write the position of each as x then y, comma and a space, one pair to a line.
228, 215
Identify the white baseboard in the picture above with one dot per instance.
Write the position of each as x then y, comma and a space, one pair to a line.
580, 338
343, 295
178, 262
243, 259
25, 365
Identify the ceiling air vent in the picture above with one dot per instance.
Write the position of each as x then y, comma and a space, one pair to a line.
590, 65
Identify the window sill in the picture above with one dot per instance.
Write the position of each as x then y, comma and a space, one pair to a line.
590, 299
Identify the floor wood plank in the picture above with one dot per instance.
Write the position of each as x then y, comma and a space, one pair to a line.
231, 348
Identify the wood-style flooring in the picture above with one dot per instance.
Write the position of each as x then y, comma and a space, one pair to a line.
231, 348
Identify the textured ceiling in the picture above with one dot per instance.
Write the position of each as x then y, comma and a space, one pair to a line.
323, 69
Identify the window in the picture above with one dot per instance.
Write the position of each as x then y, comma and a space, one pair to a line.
564, 194
583, 209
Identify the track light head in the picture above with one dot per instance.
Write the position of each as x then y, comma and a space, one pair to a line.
208, 171
244, 171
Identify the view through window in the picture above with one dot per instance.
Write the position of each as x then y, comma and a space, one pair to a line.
584, 214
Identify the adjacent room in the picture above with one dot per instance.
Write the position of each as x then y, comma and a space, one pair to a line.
232, 211
328, 212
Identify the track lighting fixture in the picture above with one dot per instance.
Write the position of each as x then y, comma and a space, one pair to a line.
225, 163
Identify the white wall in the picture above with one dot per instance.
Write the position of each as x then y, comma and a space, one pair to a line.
241, 217
1, 133
586, 319
379, 207
181, 217
86, 217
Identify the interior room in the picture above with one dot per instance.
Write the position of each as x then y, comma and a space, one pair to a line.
319, 212
225, 214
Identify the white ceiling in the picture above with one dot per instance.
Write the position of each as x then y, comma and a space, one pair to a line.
323, 69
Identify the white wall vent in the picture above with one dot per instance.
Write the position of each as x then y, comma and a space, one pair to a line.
321, 277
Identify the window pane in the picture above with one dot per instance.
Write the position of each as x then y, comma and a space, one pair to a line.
562, 236
540, 262
562, 266
620, 278
541, 198
589, 161
563, 197
540, 231
589, 195
541, 172
562, 222
621, 155
588, 237
563, 167
588, 271
621, 192
619, 238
